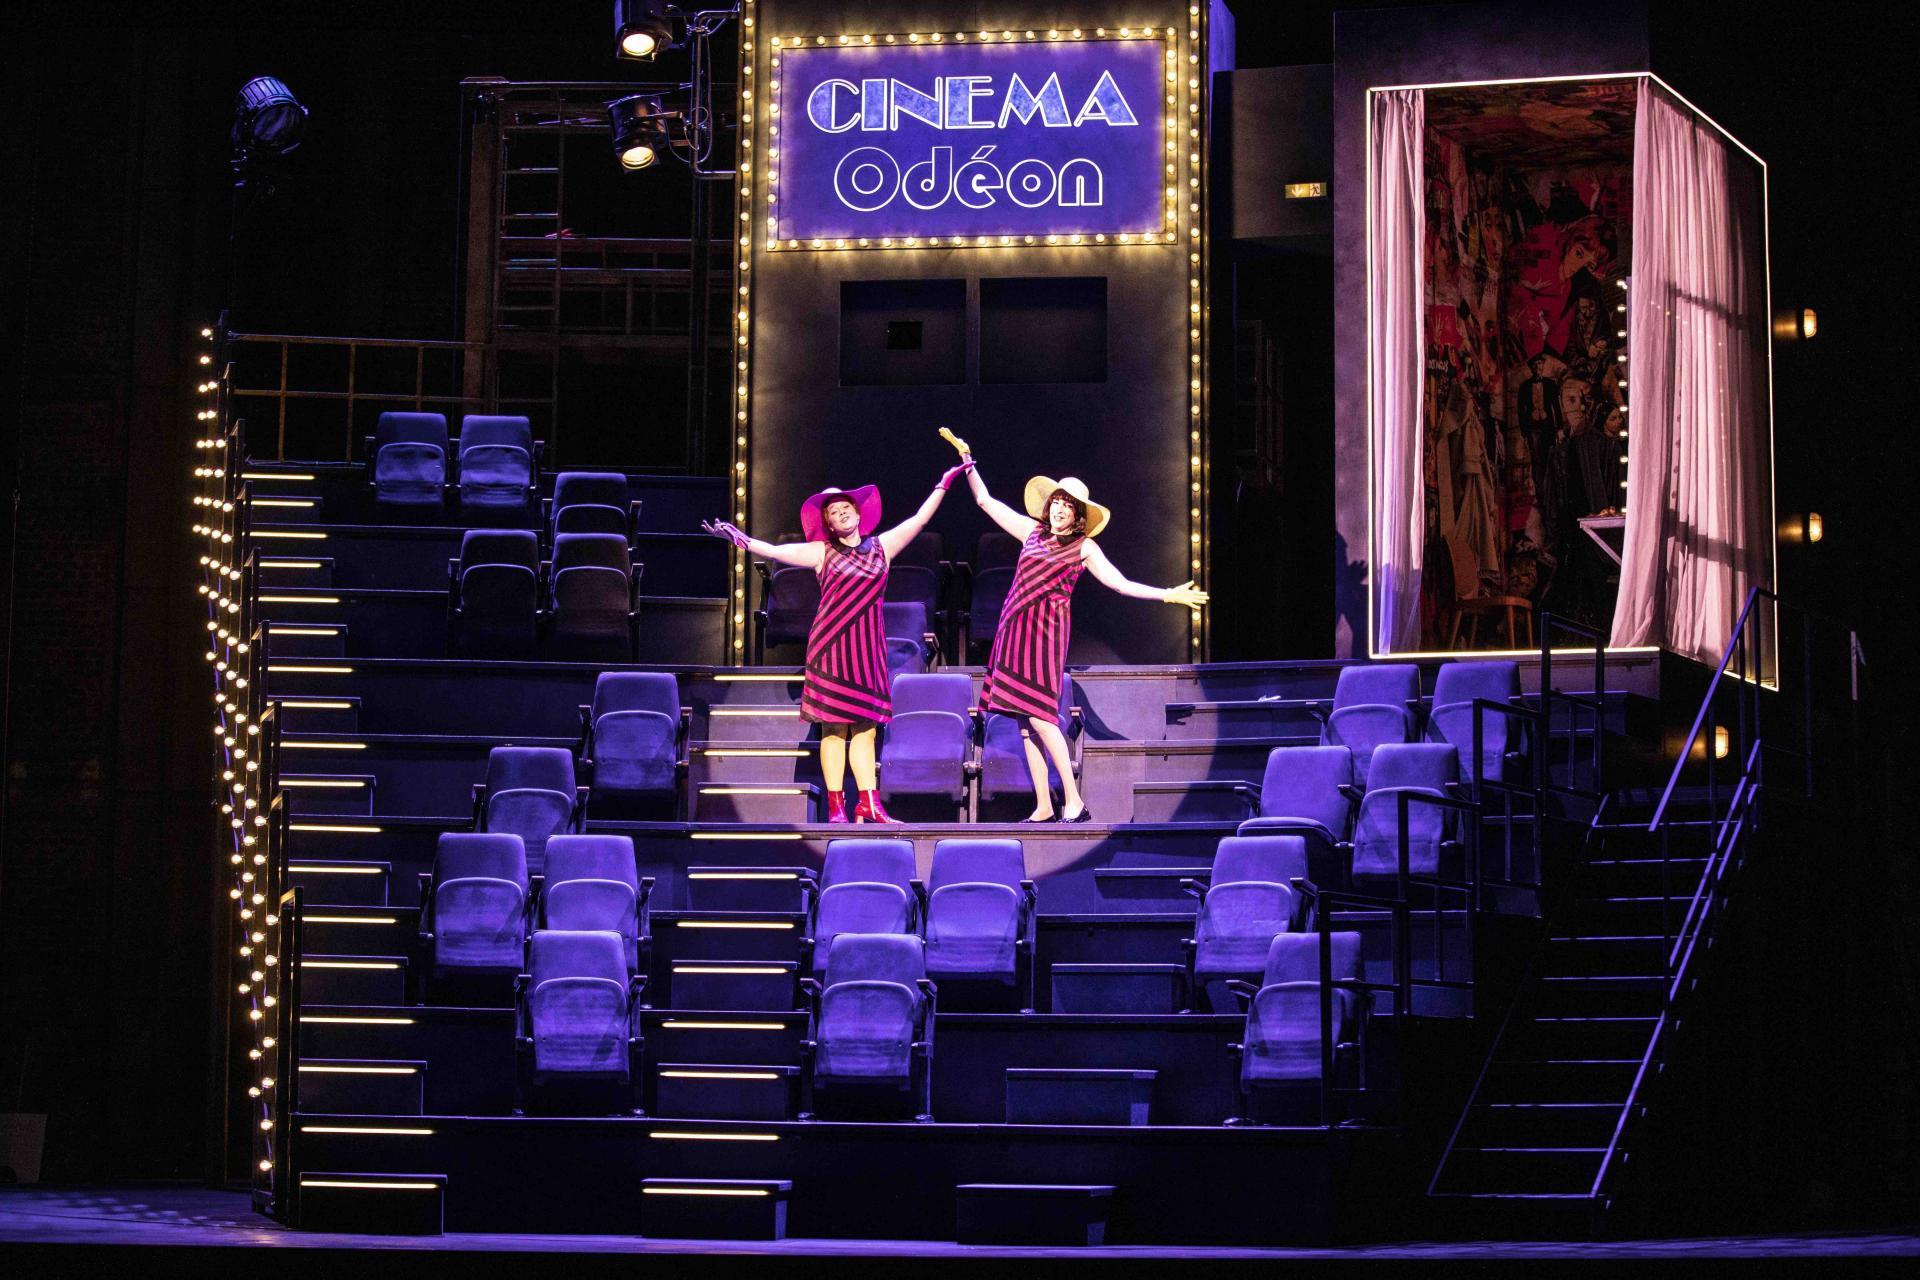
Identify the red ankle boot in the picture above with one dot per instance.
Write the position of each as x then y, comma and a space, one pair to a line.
870, 810
836, 806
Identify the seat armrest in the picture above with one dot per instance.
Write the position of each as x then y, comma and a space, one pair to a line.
1243, 991
578, 819
1194, 886
920, 899
1352, 792
426, 904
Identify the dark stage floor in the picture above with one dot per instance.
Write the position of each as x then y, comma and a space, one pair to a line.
66, 1229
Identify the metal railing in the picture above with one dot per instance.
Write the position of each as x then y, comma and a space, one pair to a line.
415, 391
1742, 670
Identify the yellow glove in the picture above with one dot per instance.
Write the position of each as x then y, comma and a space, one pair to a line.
956, 442
1186, 593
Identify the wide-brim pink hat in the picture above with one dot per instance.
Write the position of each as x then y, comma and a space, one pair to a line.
865, 500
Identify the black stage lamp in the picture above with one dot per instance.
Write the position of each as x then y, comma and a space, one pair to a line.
639, 126
641, 29
267, 119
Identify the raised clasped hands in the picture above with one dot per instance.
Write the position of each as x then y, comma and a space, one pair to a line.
954, 473
721, 529
1185, 594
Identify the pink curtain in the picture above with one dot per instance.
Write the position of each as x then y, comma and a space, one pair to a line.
1699, 474
1396, 362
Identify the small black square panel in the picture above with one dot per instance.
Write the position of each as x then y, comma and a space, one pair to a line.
903, 333
1043, 329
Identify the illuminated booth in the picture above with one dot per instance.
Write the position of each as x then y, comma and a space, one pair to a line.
944, 220
1563, 365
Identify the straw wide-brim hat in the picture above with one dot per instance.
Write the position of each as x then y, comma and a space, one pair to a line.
1041, 488
865, 500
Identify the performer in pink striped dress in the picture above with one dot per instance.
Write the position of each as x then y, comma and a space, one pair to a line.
846, 691
1029, 658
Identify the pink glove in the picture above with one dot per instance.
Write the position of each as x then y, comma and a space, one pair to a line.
954, 473
721, 529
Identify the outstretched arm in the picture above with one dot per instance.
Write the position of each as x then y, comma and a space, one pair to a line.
1107, 576
1013, 522
898, 538
803, 555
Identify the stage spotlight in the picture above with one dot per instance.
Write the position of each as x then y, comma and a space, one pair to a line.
639, 126
1816, 527
268, 120
641, 29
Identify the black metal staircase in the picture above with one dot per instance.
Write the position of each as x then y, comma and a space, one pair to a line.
1548, 1132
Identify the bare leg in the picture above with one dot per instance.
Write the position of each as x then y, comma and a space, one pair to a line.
1055, 742
860, 754
1037, 769
833, 757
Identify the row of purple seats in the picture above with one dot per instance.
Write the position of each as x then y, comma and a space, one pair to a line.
480, 903
1380, 703
493, 462
929, 747
868, 1050
869, 1045
977, 911
1352, 830
502, 596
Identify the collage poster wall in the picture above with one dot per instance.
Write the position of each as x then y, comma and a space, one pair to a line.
1525, 407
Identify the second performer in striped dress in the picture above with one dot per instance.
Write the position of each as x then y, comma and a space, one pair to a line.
846, 691
1028, 663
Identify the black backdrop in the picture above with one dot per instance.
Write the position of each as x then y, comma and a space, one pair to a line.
112, 160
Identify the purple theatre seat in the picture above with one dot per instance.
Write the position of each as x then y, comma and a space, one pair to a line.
1372, 705
1003, 752
529, 792
980, 913
1282, 1044
1273, 858
910, 583
866, 886
496, 461
496, 592
589, 502
1303, 794
1426, 768
906, 631
988, 597
1451, 720
473, 916
592, 883
929, 738
634, 733
873, 1026
1248, 902
576, 1014
593, 587
410, 459
789, 598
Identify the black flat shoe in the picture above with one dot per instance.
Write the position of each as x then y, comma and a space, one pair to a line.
1086, 815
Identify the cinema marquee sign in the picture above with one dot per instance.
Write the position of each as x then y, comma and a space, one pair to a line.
965, 139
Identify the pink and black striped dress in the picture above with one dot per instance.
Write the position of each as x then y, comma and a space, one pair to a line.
847, 648
1029, 657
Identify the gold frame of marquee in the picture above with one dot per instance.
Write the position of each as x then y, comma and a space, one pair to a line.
755, 189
